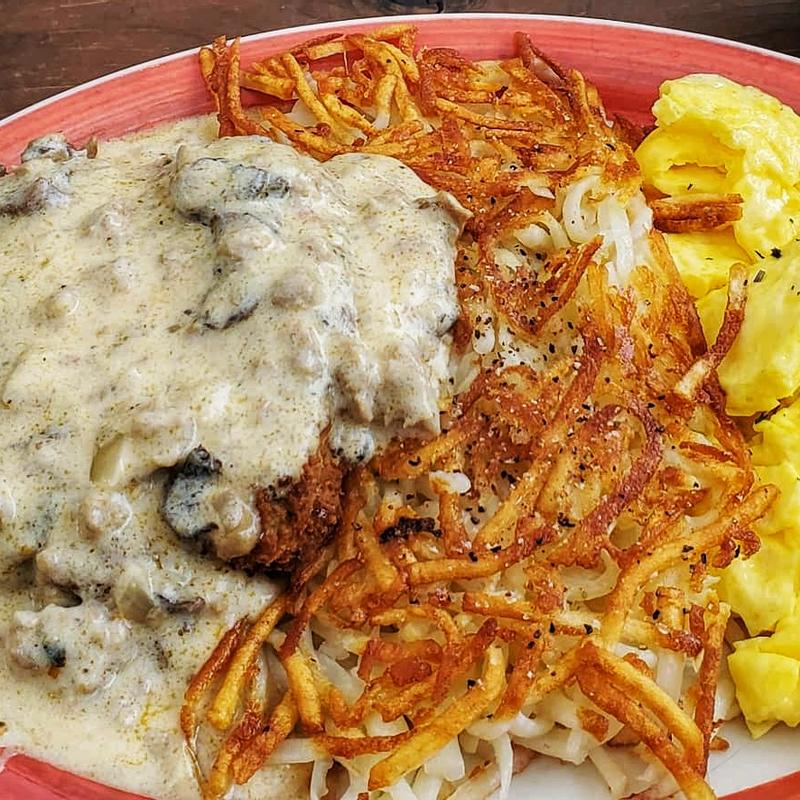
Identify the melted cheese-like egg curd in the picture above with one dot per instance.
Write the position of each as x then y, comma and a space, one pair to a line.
178, 299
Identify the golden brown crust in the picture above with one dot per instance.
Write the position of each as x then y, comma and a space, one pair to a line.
298, 525
696, 212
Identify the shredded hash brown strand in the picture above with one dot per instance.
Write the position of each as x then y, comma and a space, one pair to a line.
535, 578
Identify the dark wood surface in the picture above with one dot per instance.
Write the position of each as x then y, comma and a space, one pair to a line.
49, 45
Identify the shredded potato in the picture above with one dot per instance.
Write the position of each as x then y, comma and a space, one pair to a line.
696, 212
534, 578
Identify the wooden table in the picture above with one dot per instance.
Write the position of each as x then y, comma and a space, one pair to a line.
49, 45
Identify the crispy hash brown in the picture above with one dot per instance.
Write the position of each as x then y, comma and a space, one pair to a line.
696, 212
537, 578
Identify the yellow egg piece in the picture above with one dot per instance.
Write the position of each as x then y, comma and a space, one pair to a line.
776, 456
766, 671
704, 259
715, 135
784, 514
676, 162
764, 589
763, 366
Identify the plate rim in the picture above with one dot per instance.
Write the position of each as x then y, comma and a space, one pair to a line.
789, 781
312, 28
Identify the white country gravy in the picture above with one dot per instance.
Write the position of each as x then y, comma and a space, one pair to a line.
179, 297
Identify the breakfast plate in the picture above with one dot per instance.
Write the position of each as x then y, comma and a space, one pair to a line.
627, 63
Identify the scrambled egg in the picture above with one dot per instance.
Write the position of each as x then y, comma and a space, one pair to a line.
705, 258
763, 366
766, 671
763, 589
714, 135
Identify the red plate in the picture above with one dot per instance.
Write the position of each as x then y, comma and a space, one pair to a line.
626, 62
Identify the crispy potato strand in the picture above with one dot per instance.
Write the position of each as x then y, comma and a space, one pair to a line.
222, 710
